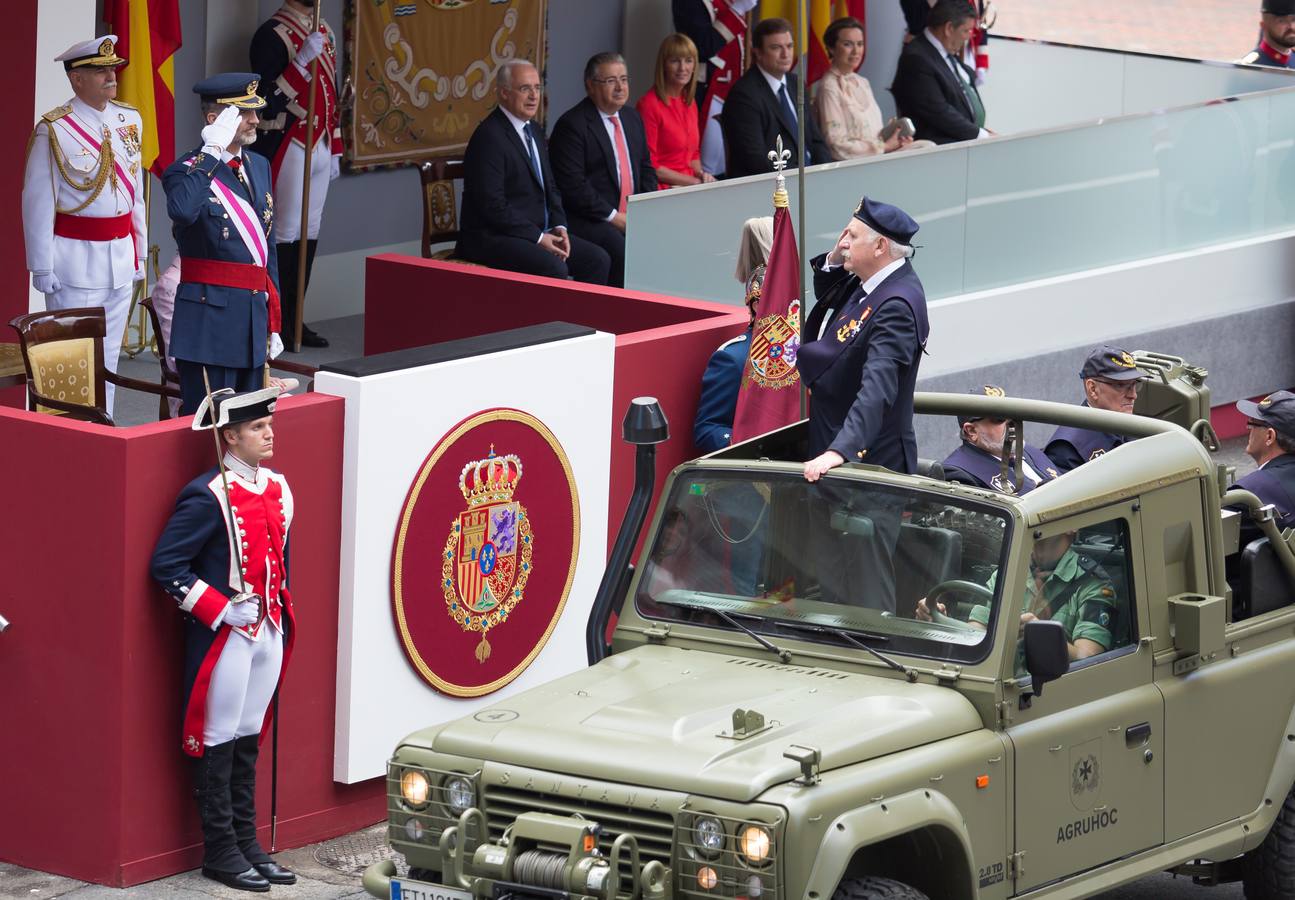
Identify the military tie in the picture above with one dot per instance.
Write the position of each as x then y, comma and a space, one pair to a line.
535, 167
236, 164
968, 92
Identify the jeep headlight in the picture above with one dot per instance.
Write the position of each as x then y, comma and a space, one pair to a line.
754, 843
459, 794
415, 788
710, 836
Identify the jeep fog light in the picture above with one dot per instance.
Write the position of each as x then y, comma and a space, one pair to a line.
414, 829
755, 843
707, 878
414, 788
710, 836
459, 794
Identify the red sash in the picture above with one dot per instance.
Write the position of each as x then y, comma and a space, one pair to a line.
234, 275
93, 228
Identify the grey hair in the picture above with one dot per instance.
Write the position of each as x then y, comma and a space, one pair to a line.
505, 75
896, 249
606, 58
210, 107
1285, 442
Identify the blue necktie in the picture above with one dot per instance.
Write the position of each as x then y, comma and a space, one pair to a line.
535, 167
790, 110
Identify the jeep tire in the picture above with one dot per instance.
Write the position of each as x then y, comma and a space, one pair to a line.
870, 888
1268, 871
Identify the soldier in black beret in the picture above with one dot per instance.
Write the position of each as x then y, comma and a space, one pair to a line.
1111, 381
1276, 36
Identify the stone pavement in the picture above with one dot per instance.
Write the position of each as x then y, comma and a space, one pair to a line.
1198, 29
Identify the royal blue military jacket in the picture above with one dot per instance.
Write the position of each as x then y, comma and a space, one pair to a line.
214, 216
713, 428
1069, 447
863, 371
971, 465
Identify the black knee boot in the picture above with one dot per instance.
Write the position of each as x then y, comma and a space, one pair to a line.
242, 792
221, 859
288, 289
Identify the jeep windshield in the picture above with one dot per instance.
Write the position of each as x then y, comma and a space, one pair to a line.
902, 569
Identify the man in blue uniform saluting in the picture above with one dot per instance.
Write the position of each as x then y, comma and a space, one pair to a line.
221, 204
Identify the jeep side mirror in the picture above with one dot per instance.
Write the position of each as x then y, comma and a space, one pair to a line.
1047, 653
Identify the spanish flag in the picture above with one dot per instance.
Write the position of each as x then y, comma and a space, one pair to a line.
819, 14
148, 34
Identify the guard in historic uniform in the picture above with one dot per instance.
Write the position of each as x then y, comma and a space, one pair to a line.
83, 196
979, 459
221, 205
1276, 36
1111, 380
713, 428
282, 51
223, 558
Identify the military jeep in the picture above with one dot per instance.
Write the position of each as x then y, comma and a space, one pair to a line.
862, 688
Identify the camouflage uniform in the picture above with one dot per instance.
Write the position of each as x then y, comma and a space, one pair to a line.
1078, 594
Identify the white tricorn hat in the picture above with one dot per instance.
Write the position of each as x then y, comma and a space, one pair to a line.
232, 408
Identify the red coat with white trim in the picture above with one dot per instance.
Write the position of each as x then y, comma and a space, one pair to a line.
285, 85
195, 563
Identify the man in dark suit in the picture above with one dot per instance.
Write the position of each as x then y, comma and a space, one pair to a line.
219, 199
933, 86
600, 157
762, 106
512, 209
861, 374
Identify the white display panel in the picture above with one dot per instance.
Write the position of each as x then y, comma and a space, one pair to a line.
393, 421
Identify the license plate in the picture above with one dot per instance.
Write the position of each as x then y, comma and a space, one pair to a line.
404, 889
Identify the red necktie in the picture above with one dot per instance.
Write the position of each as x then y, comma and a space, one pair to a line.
623, 163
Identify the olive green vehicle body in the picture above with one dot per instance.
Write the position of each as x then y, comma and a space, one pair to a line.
956, 779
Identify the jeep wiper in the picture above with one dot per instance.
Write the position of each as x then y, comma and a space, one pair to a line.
850, 638
731, 619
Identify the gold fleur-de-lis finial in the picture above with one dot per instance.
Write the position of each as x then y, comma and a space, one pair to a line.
779, 157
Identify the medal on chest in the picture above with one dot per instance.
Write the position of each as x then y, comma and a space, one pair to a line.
851, 328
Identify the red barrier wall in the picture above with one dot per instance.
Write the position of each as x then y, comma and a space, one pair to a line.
662, 343
90, 669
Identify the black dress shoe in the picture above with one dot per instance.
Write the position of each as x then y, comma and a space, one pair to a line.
248, 880
275, 873
311, 338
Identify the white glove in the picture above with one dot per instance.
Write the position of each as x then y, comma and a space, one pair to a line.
336, 171
45, 282
310, 48
220, 134
240, 615
742, 7
141, 271
276, 345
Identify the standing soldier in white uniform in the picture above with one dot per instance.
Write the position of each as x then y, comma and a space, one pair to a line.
282, 51
83, 196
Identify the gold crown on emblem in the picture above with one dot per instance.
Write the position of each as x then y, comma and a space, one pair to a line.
490, 480
106, 48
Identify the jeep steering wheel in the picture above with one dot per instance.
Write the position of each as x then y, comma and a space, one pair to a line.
958, 584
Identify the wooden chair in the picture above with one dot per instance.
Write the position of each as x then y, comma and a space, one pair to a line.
62, 351
440, 217
168, 376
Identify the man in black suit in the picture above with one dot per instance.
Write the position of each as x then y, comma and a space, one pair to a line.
933, 86
512, 210
762, 106
600, 157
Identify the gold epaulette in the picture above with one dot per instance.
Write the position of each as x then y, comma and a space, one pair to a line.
124, 104
57, 113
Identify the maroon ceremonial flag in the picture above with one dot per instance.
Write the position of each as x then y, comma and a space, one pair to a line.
769, 395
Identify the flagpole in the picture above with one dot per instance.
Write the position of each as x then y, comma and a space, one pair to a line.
305, 193
800, 173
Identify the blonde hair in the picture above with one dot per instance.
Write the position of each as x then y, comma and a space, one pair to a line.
676, 46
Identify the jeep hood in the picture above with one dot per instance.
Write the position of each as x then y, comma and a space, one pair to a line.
659, 716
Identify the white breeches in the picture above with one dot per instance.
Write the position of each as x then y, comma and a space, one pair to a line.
287, 191
242, 685
115, 303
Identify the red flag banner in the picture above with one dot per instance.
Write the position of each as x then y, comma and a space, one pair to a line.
148, 34
820, 14
769, 395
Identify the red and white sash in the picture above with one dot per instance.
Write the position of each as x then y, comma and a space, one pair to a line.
124, 181
245, 220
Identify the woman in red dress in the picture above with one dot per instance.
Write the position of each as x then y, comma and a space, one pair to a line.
669, 113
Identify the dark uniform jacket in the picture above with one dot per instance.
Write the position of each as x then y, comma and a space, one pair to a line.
287, 90
754, 118
713, 428
1265, 55
971, 465
193, 564
584, 161
501, 194
223, 326
862, 373
1070, 447
1275, 484
928, 92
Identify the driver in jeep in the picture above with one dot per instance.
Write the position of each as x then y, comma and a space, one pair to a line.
1066, 587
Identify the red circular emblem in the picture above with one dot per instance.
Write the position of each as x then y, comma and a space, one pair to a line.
485, 552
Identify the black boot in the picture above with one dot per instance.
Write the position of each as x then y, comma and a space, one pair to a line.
221, 859
310, 337
242, 792
288, 290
